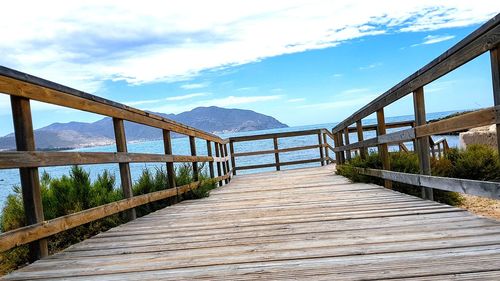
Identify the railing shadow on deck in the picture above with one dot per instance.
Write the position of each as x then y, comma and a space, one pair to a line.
23, 87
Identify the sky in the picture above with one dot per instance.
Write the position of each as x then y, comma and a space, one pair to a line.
302, 62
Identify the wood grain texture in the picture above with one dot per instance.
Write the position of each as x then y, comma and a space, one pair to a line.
30, 181
303, 224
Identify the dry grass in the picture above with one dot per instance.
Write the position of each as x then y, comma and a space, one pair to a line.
481, 206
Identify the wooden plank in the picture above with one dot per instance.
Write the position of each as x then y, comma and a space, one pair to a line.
223, 154
233, 156
347, 142
340, 140
192, 146
359, 130
273, 135
470, 120
229, 171
26, 159
422, 142
472, 187
391, 125
211, 163
217, 154
483, 39
495, 78
20, 84
320, 144
326, 146
167, 145
48, 228
276, 154
382, 148
30, 182
125, 177
397, 137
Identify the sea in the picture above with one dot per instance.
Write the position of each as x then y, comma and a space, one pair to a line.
180, 146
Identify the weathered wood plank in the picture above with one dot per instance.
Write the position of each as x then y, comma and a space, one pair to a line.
273, 135
167, 146
495, 78
272, 151
472, 187
276, 154
422, 143
20, 84
383, 150
30, 182
125, 177
281, 164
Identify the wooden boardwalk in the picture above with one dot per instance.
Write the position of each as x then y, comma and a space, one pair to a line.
288, 225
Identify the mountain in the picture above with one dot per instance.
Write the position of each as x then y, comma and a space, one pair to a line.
81, 134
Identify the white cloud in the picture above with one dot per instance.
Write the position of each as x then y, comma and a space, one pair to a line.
174, 98
192, 86
296, 100
220, 102
82, 43
433, 39
370, 66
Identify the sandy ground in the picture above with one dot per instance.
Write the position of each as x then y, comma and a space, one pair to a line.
482, 206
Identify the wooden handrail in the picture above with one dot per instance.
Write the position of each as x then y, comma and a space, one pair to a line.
478, 42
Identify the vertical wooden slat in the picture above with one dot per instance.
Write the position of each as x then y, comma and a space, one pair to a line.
233, 160
223, 163
346, 135
276, 154
325, 147
495, 72
211, 163
217, 154
336, 144
341, 143
192, 145
383, 148
30, 182
227, 162
126, 179
359, 130
167, 144
422, 143
320, 143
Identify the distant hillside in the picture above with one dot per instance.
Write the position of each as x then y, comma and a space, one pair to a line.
80, 134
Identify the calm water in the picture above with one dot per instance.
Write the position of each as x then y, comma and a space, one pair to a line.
180, 146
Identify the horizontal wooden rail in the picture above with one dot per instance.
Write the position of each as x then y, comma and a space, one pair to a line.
298, 162
26, 159
471, 187
21, 84
483, 39
281, 150
392, 125
275, 135
30, 233
483, 117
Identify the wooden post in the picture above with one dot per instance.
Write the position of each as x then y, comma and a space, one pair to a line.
346, 134
382, 148
211, 163
341, 143
336, 144
321, 156
228, 169
276, 154
422, 143
233, 160
218, 154
359, 130
167, 143
326, 148
495, 72
192, 145
126, 179
224, 171
30, 182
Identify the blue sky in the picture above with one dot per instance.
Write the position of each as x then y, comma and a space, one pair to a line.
303, 62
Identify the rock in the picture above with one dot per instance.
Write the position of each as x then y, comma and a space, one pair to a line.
486, 135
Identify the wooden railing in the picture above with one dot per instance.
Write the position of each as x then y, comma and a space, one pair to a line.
484, 39
22, 88
322, 146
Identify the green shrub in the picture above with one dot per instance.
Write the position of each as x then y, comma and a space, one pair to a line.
481, 161
75, 192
